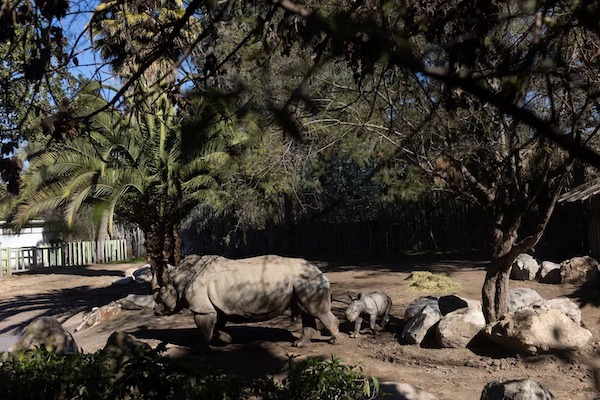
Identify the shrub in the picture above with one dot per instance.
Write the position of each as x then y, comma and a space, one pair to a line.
326, 380
40, 374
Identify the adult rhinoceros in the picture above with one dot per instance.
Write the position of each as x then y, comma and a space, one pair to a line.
217, 290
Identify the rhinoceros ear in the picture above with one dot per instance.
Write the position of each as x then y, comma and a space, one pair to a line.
352, 297
361, 296
170, 269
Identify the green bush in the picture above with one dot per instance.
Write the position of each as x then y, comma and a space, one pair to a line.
326, 380
41, 374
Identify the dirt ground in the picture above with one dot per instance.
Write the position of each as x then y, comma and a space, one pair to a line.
263, 348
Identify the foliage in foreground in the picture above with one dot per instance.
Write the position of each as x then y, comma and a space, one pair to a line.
41, 374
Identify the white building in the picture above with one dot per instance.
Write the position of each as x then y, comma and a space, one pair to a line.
31, 235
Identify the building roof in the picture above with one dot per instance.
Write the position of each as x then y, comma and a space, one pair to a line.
581, 192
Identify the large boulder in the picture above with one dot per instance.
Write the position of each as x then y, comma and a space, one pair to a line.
537, 330
143, 301
418, 305
128, 280
549, 273
143, 274
403, 391
522, 297
523, 389
47, 332
417, 327
564, 305
459, 327
524, 268
454, 302
121, 347
579, 270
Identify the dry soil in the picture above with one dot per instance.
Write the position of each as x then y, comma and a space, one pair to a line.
263, 348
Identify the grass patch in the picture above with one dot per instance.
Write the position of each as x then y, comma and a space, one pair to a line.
423, 281
136, 260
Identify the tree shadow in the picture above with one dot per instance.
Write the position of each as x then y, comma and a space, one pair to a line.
17, 312
587, 294
240, 334
435, 263
77, 270
250, 353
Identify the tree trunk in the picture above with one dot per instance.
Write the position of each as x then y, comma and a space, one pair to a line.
102, 237
171, 250
154, 243
495, 288
176, 245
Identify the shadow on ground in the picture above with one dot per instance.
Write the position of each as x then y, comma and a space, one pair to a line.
442, 263
61, 304
80, 270
239, 335
249, 354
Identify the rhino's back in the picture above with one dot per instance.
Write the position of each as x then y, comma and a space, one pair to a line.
376, 302
252, 289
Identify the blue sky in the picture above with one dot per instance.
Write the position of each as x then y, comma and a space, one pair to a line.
90, 64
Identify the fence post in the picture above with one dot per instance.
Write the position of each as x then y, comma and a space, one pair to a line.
63, 255
8, 262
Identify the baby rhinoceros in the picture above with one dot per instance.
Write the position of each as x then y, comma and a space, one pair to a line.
373, 304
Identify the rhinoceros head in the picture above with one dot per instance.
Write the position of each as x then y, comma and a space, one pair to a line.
167, 297
166, 300
355, 308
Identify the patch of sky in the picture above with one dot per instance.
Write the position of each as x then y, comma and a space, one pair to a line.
85, 63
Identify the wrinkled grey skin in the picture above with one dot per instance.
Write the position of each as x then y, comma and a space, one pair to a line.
373, 304
218, 290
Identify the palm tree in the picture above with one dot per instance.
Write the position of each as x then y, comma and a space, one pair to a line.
133, 164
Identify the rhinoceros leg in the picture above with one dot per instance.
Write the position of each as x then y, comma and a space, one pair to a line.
357, 325
309, 327
332, 324
373, 324
386, 315
206, 324
220, 332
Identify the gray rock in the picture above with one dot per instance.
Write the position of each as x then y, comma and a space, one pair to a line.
143, 274
535, 330
549, 273
459, 327
564, 305
418, 305
524, 389
48, 332
417, 327
403, 391
121, 347
128, 280
579, 270
141, 300
522, 297
454, 302
524, 268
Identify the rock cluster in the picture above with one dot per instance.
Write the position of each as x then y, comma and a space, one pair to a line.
576, 270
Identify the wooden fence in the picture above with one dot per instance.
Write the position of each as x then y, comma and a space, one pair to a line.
436, 223
21, 259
